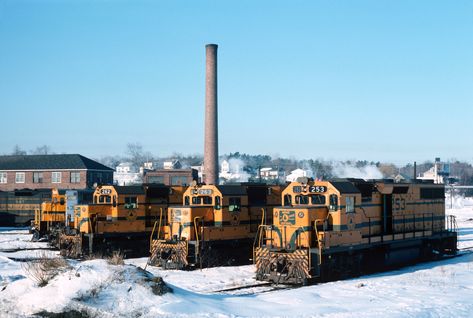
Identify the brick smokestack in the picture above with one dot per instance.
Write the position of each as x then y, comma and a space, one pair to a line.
211, 116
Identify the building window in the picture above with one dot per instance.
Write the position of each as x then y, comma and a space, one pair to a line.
37, 177
155, 179
20, 177
75, 177
178, 180
3, 177
56, 177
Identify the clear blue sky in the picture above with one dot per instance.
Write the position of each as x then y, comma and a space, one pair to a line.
375, 80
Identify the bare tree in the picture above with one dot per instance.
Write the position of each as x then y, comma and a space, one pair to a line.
17, 151
136, 154
42, 150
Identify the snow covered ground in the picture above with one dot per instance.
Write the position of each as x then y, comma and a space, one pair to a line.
94, 287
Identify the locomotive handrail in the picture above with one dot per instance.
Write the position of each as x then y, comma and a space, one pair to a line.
151, 237
318, 241
257, 240
263, 215
195, 228
160, 222
307, 236
90, 224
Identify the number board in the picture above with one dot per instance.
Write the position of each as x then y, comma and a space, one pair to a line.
317, 189
297, 189
205, 191
105, 191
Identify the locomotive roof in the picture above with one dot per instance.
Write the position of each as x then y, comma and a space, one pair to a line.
136, 189
345, 187
232, 189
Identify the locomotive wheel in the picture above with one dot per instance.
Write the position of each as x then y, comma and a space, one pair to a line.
210, 257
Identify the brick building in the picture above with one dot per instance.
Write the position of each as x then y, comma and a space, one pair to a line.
71, 171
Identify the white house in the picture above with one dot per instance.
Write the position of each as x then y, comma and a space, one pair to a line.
126, 174
269, 173
299, 173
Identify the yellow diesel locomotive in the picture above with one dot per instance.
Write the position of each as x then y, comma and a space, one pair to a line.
329, 230
55, 214
120, 218
216, 225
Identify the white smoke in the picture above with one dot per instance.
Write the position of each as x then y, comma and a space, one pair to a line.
235, 172
344, 170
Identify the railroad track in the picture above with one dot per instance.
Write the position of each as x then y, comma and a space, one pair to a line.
465, 250
240, 290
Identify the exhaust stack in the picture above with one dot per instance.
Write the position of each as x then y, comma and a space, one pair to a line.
211, 116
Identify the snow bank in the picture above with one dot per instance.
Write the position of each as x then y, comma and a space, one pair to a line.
92, 286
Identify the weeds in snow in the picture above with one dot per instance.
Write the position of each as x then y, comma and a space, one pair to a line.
116, 258
44, 268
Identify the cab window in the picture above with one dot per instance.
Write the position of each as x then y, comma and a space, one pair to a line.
317, 199
105, 199
302, 199
350, 204
234, 204
287, 200
131, 202
186, 200
333, 202
217, 203
202, 200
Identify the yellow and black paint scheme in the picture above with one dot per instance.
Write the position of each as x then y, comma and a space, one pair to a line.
49, 215
57, 213
329, 230
17, 208
215, 225
120, 218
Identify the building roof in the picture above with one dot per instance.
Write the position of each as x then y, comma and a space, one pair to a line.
47, 162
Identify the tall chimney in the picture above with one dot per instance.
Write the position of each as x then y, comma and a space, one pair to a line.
211, 116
